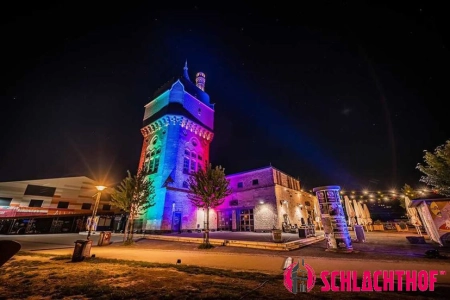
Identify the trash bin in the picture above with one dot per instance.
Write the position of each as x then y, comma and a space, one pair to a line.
360, 235
276, 236
105, 238
303, 232
81, 250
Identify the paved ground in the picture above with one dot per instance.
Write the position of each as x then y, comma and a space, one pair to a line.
383, 250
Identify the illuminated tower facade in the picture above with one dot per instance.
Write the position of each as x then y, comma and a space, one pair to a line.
177, 132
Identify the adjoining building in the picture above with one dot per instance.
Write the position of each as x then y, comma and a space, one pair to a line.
56, 205
178, 127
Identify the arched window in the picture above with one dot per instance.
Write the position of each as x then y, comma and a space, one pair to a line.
152, 156
192, 162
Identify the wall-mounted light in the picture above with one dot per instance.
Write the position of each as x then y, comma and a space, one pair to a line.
261, 201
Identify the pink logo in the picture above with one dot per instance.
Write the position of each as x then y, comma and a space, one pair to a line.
298, 279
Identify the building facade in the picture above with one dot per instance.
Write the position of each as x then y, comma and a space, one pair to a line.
264, 199
178, 127
56, 205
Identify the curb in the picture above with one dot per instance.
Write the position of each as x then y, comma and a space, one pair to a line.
288, 246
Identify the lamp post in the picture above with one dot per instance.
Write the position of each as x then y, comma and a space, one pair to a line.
100, 188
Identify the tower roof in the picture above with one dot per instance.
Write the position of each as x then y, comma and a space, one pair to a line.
189, 87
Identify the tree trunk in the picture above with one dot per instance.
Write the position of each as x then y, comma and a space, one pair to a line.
130, 229
207, 227
125, 232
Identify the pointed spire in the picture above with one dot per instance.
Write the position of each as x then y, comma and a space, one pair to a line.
185, 73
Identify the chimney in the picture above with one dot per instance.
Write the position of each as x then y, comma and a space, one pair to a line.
200, 80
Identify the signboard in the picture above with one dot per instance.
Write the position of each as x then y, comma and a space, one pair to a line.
31, 211
8, 211
93, 225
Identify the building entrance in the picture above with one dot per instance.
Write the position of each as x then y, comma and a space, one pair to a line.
246, 221
225, 220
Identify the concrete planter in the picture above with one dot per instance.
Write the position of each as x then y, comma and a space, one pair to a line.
277, 235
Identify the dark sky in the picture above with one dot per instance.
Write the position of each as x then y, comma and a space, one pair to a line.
345, 93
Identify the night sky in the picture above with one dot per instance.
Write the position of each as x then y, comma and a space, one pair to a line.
344, 93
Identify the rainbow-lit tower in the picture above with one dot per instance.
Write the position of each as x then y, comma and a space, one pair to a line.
177, 130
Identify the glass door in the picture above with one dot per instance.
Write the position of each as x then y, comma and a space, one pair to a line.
246, 222
224, 220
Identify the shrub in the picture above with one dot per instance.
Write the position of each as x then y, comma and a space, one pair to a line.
205, 246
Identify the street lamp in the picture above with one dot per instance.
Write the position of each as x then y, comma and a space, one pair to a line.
100, 188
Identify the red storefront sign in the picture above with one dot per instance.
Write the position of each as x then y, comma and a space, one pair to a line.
31, 211
8, 212
14, 211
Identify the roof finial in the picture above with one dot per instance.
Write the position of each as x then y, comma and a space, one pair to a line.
185, 73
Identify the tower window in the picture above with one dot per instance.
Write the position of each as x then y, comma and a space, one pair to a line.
152, 160
255, 182
191, 162
185, 184
186, 165
240, 185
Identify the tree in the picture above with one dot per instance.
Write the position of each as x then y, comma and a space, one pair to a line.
408, 191
133, 195
208, 189
437, 169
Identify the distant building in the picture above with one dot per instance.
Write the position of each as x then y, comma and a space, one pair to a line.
55, 205
178, 127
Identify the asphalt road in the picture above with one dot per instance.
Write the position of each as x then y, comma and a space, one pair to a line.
53, 241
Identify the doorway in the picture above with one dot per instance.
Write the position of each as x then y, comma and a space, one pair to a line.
225, 220
176, 221
246, 222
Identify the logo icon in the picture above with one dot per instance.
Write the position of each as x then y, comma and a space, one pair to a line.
298, 278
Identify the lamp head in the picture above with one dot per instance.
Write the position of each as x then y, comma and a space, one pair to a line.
100, 187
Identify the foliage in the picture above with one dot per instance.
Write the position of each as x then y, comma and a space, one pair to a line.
436, 168
408, 191
134, 195
208, 189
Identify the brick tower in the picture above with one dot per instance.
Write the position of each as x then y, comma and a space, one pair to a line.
177, 130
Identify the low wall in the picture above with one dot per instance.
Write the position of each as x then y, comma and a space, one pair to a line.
239, 243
